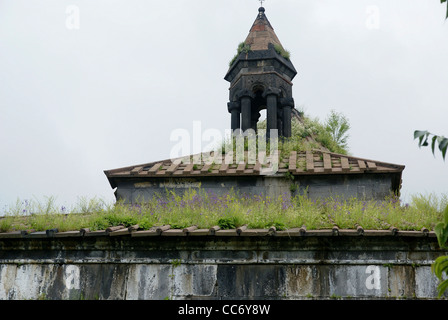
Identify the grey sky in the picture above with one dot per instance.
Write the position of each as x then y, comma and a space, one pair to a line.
75, 102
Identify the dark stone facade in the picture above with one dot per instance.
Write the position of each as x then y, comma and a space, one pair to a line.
368, 186
282, 266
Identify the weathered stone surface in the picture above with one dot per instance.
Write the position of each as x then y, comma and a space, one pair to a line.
251, 281
212, 267
375, 187
401, 281
358, 281
425, 283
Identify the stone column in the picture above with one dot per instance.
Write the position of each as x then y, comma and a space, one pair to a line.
271, 106
246, 121
287, 105
235, 111
245, 98
280, 120
287, 121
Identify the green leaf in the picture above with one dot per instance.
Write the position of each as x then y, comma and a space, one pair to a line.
433, 144
442, 287
442, 1
443, 146
440, 266
421, 135
441, 230
445, 213
227, 223
442, 234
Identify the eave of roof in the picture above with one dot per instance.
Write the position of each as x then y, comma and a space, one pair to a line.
193, 231
313, 162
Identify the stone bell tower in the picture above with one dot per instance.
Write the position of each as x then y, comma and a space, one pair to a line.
260, 78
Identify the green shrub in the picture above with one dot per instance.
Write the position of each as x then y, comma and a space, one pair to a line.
227, 223
242, 47
281, 51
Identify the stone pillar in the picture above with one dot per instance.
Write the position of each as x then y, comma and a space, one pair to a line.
235, 111
280, 121
271, 106
246, 121
271, 117
245, 98
287, 121
287, 105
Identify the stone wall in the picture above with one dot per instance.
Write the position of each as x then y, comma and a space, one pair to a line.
219, 267
367, 186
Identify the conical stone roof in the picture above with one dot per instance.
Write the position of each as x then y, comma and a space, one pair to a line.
261, 33
261, 44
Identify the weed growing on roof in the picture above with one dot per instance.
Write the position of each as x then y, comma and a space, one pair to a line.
242, 47
302, 129
281, 51
6, 224
313, 127
205, 210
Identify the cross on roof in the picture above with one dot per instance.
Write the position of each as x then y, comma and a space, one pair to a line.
261, 1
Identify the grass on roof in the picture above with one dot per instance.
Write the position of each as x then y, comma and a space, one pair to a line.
205, 210
306, 128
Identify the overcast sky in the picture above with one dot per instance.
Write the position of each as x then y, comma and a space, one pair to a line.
91, 85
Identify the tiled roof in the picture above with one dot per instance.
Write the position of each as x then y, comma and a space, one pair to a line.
261, 34
193, 231
296, 163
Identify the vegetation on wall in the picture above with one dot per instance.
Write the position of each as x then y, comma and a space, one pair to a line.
338, 125
205, 210
245, 48
242, 47
310, 133
440, 266
331, 134
282, 51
